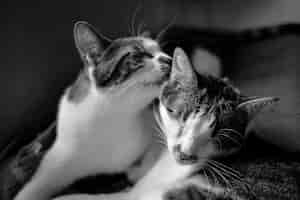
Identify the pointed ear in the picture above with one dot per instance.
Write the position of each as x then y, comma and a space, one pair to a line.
255, 105
182, 69
89, 43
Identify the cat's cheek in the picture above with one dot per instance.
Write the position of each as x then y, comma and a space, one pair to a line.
153, 74
171, 125
215, 148
209, 150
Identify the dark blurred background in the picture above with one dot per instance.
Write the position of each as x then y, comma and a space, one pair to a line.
39, 59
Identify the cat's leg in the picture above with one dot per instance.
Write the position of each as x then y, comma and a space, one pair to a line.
148, 160
195, 188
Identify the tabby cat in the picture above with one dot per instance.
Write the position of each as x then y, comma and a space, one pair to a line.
204, 120
108, 103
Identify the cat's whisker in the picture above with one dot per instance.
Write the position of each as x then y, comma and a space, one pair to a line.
225, 166
159, 141
163, 44
222, 170
230, 179
133, 19
170, 41
215, 179
227, 170
230, 138
231, 130
161, 144
206, 176
223, 179
220, 174
219, 143
160, 133
159, 136
166, 28
140, 28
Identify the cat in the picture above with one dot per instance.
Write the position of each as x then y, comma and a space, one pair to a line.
205, 120
203, 117
190, 112
265, 173
104, 118
211, 107
260, 60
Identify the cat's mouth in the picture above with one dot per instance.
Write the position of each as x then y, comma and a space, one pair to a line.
185, 159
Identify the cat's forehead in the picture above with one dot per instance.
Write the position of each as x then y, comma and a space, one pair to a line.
131, 42
150, 44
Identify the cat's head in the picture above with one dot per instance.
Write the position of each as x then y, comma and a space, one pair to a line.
202, 116
130, 66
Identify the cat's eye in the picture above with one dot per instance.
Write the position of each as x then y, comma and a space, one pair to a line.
145, 54
140, 55
170, 110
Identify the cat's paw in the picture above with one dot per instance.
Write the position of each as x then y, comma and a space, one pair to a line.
188, 192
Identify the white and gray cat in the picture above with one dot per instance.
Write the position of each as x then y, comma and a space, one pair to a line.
201, 118
204, 118
206, 121
104, 122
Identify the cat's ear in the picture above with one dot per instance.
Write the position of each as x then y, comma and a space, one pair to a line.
182, 68
89, 43
255, 105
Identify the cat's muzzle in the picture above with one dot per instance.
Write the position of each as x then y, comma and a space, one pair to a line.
165, 62
184, 158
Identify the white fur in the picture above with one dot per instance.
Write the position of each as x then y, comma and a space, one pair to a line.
165, 174
87, 143
104, 133
196, 132
170, 127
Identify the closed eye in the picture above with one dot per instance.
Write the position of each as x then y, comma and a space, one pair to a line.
170, 110
141, 52
146, 54
140, 55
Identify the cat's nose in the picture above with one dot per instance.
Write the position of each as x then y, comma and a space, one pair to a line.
165, 59
165, 63
183, 157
